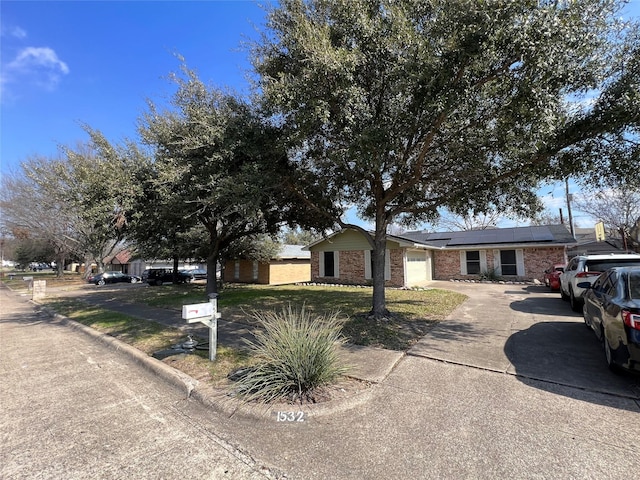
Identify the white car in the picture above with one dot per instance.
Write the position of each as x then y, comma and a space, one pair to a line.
587, 268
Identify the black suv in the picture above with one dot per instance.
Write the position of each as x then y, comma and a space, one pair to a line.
158, 276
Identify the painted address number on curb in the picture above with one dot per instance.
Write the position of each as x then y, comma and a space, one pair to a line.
290, 417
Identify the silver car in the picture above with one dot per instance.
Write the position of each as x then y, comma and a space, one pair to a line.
587, 268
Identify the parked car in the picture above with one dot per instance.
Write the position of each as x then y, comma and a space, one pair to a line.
158, 276
196, 274
612, 311
113, 277
586, 268
552, 276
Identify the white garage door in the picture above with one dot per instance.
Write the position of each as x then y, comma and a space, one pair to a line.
418, 267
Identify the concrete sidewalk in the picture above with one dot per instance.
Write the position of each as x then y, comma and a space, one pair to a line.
74, 408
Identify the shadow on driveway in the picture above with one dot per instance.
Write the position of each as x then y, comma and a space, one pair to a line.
544, 305
553, 355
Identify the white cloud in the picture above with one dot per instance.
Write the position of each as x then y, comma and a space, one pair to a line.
37, 65
13, 31
38, 57
18, 33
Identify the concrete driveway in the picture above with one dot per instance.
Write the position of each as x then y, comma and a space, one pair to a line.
526, 331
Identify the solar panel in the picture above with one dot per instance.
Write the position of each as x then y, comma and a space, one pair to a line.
542, 234
485, 237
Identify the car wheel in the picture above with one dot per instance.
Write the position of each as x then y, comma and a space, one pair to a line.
576, 306
608, 354
133, 280
158, 282
101, 282
563, 295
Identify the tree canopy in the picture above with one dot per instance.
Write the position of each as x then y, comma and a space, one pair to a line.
218, 165
77, 202
402, 107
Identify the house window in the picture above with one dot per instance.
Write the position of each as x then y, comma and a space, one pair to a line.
255, 271
236, 270
508, 262
473, 262
329, 264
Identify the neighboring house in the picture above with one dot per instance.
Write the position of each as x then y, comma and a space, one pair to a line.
291, 265
138, 266
588, 245
119, 262
415, 258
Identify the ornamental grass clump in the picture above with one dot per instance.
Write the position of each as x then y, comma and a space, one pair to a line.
297, 353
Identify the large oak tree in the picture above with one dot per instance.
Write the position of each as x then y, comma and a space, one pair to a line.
403, 106
218, 166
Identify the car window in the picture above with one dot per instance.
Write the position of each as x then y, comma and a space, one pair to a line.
572, 265
602, 265
609, 286
633, 283
598, 284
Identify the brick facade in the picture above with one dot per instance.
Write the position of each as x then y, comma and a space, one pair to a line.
536, 261
534, 257
446, 265
351, 270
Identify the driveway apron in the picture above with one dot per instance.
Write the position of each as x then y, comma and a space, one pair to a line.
523, 330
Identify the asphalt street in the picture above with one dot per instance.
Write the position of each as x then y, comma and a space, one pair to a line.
512, 385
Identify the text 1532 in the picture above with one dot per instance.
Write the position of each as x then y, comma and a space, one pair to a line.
290, 416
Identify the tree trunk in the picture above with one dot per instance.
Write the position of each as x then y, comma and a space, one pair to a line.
379, 308
212, 282
60, 266
175, 272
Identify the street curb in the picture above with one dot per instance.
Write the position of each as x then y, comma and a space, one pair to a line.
205, 394
178, 379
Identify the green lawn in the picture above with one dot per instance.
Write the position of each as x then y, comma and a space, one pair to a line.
414, 312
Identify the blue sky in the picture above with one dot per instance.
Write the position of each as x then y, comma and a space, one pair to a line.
70, 62
64, 63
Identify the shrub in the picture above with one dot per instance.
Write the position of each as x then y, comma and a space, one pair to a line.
297, 354
491, 275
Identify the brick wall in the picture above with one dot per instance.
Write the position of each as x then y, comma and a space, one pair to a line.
351, 268
246, 271
446, 265
397, 268
536, 261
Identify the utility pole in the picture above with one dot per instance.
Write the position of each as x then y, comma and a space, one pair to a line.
566, 186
